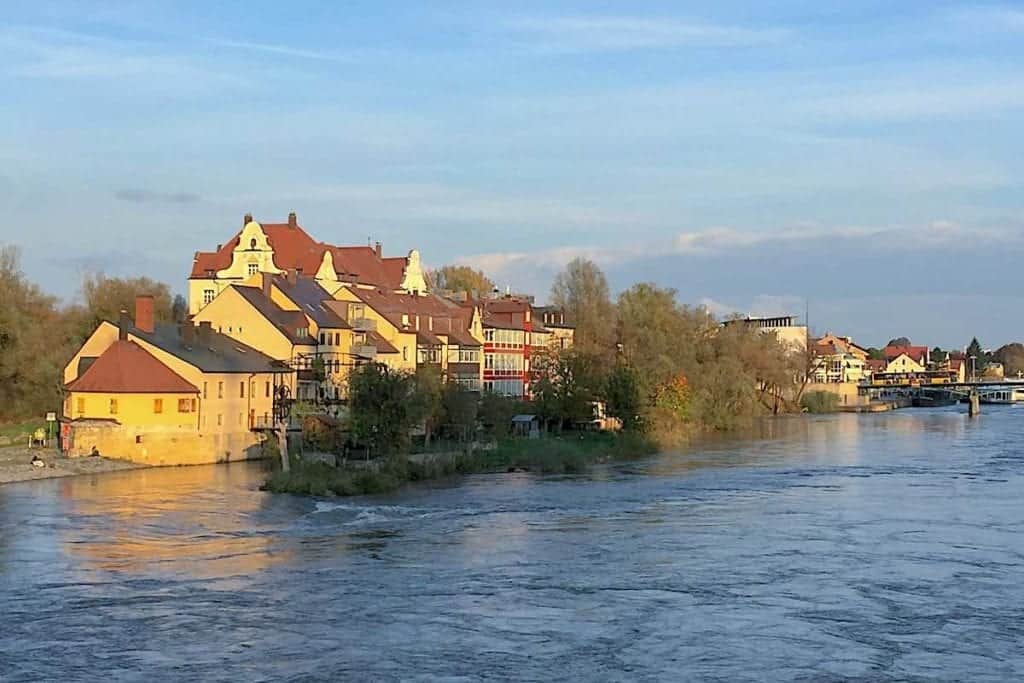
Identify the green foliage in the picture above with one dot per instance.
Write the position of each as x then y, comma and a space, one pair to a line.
460, 409
555, 455
622, 395
428, 399
382, 407
820, 402
876, 354
461, 279
981, 359
899, 341
496, 413
565, 385
105, 298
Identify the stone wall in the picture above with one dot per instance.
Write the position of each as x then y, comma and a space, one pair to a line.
846, 391
155, 446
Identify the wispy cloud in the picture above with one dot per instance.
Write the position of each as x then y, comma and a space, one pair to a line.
139, 196
285, 51
615, 34
714, 241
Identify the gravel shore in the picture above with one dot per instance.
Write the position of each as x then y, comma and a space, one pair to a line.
16, 464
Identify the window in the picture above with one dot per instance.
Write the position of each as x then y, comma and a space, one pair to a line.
252, 245
268, 388
207, 296
80, 406
184, 405
113, 406
204, 389
220, 389
241, 390
254, 267
220, 419
158, 406
405, 353
337, 338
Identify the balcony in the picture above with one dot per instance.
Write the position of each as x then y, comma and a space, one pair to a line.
363, 324
365, 351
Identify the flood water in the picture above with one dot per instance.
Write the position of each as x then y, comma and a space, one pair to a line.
870, 547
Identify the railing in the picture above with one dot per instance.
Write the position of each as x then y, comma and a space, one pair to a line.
363, 324
364, 351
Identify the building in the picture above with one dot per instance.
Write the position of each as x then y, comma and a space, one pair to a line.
425, 329
906, 360
834, 363
844, 344
561, 330
285, 318
279, 248
168, 394
784, 327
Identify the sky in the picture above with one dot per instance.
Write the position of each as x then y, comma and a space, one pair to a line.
860, 161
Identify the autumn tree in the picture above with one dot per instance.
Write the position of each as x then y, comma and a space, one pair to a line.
381, 408
105, 297
581, 290
461, 279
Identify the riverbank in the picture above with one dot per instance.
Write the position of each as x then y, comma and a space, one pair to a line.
569, 454
16, 464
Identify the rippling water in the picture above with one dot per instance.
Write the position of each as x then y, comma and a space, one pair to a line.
850, 547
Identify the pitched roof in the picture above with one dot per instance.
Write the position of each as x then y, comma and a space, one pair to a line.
918, 353
127, 368
309, 296
287, 322
294, 249
445, 316
875, 364
213, 353
376, 340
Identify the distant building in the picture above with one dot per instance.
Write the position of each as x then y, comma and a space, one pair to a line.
834, 363
784, 327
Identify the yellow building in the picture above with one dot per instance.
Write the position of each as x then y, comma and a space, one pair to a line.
227, 389
279, 248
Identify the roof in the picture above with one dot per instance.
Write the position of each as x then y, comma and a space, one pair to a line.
524, 418
215, 353
875, 364
294, 249
916, 352
377, 340
437, 315
287, 322
127, 368
309, 296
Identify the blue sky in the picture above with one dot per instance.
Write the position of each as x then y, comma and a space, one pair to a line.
863, 157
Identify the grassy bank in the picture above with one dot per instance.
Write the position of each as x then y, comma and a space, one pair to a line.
552, 455
17, 433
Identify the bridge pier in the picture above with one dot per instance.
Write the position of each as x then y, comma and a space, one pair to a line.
973, 404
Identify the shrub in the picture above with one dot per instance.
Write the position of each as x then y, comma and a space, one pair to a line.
820, 402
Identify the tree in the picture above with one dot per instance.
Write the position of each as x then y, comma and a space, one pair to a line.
460, 408
35, 342
427, 399
622, 395
1012, 358
899, 341
461, 279
581, 290
179, 309
876, 353
381, 407
105, 298
976, 356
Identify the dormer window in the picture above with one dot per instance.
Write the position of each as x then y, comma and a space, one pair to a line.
252, 243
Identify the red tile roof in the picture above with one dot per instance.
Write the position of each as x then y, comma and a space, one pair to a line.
127, 368
295, 248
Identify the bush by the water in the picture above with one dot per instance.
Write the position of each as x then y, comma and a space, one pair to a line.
570, 454
820, 402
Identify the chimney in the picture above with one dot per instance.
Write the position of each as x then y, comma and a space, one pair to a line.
219, 247
267, 282
247, 219
124, 323
205, 333
187, 332
293, 222
380, 251
293, 275
144, 313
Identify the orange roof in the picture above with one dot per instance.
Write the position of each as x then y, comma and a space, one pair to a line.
127, 368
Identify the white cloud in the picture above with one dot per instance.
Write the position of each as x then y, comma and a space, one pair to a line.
285, 51
612, 34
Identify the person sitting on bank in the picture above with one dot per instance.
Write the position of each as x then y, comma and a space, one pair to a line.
95, 453
37, 461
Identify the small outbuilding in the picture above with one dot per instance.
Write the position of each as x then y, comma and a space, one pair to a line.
526, 426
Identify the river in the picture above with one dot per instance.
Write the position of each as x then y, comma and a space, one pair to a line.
870, 547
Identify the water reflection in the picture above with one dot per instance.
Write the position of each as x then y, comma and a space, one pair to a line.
871, 547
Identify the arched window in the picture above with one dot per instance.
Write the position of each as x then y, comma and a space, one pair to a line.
252, 243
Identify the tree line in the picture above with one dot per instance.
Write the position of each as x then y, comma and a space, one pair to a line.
39, 334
